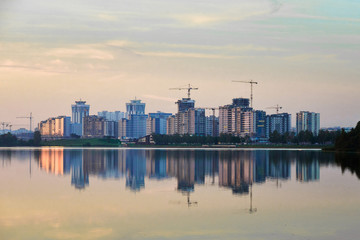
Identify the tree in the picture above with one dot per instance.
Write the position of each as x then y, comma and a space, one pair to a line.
37, 138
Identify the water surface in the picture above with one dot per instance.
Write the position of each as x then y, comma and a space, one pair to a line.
59, 193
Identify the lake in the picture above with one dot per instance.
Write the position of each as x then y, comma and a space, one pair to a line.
96, 193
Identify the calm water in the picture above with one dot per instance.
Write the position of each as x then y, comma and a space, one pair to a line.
56, 193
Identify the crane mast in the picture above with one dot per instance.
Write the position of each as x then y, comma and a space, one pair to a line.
30, 117
251, 89
277, 107
188, 88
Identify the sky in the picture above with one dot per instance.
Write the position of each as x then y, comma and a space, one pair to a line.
303, 54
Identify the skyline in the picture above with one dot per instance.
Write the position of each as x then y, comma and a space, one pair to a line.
304, 56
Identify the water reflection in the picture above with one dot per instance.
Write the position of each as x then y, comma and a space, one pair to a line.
235, 170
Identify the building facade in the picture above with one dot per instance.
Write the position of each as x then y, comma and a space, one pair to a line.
59, 127
79, 110
280, 122
157, 123
134, 126
112, 116
308, 121
93, 127
185, 104
212, 126
240, 120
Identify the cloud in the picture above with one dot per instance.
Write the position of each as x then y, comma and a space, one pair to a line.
11, 65
311, 57
306, 16
82, 52
107, 17
184, 55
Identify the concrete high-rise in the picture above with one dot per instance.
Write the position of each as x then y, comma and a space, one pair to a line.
112, 116
156, 123
185, 104
238, 118
93, 127
135, 125
212, 126
308, 121
280, 122
135, 107
58, 127
79, 110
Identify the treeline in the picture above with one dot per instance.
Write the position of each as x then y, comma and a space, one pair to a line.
349, 141
324, 137
9, 140
188, 139
306, 137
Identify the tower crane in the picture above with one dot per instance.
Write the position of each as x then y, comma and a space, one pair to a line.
30, 117
251, 88
188, 88
277, 107
4, 124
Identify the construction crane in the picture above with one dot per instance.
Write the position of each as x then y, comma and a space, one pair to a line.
251, 209
11, 125
251, 88
189, 88
277, 107
4, 124
29, 117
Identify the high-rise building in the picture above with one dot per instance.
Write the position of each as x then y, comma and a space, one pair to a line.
171, 125
241, 102
185, 104
111, 129
112, 116
79, 110
192, 122
226, 119
188, 120
135, 125
238, 118
260, 123
58, 127
93, 127
280, 122
135, 107
156, 123
212, 126
308, 121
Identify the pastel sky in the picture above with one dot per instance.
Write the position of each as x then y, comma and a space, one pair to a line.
304, 54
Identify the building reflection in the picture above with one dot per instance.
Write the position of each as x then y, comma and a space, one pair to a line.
135, 169
307, 170
234, 170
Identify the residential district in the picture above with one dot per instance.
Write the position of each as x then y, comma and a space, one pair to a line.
237, 118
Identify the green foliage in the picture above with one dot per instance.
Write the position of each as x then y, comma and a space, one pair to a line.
37, 138
8, 140
305, 137
349, 141
193, 140
91, 142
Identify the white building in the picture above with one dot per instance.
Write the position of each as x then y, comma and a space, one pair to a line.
308, 121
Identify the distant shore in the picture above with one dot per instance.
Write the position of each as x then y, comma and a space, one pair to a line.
116, 143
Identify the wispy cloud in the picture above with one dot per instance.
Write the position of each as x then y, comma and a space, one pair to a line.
184, 55
81, 51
